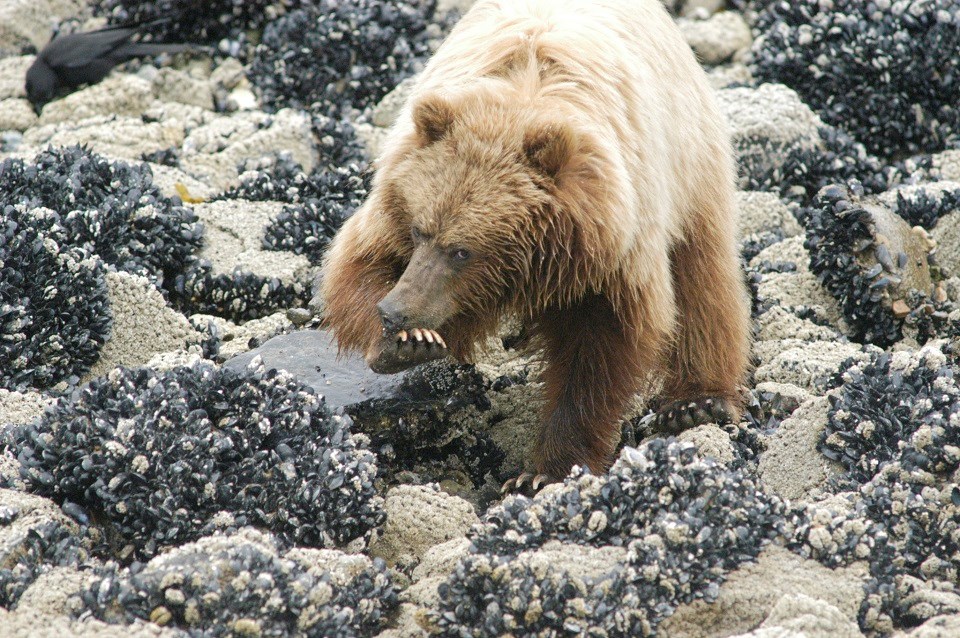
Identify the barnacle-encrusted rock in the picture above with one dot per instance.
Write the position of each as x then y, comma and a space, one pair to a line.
752, 594
35, 536
27, 22
216, 151
116, 95
668, 507
893, 426
166, 457
869, 258
245, 584
339, 55
877, 69
717, 38
143, 324
766, 123
418, 518
791, 466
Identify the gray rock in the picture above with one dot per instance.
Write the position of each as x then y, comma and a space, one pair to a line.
385, 113
765, 122
119, 94
717, 38
711, 441
937, 627
752, 593
143, 324
765, 212
31, 22
233, 239
172, 85
418, 518
792, 467
311, 356
212, 152
16, 114
13, 71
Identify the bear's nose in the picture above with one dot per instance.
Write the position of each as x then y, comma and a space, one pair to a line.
391, 315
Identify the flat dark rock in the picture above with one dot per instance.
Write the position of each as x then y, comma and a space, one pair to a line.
311, 356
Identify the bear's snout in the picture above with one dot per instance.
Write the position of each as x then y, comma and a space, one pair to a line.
392, 315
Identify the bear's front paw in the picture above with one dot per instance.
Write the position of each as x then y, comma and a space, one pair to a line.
682, 415
406, 349
526, 484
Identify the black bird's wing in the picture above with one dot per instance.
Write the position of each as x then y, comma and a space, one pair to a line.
129, 50
79, 49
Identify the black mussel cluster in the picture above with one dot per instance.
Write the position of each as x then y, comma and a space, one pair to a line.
838, 158
224, 23
66, 216
319, 203
334, 56
684, 521
893, 427
238, 295
162, 458
883, 70
838, 231
244, 584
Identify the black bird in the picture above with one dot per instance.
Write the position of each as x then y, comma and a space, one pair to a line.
86, 58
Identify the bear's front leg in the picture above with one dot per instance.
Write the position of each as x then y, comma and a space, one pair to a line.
596, 360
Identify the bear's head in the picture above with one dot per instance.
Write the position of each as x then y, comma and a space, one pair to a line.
483, 194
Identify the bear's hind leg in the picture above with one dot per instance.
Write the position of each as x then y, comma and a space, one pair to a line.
595, 364
709, 360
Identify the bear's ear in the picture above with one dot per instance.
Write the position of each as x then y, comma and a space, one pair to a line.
432, 117
549, 147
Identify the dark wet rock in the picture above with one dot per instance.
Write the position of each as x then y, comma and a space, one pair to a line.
427, 419
35, 536
244, 584
869, 259
881, 69
162, 458
336, 56
669, 509
311, 357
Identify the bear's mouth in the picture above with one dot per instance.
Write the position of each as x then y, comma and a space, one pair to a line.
420, 336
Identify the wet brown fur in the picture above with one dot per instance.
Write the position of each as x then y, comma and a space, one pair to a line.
503, 158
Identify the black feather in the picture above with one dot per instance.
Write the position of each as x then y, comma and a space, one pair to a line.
70, 61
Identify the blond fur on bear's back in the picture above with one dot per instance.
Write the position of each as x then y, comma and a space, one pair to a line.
619, 71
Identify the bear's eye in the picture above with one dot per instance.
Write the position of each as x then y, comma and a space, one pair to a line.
460, 254
417, 235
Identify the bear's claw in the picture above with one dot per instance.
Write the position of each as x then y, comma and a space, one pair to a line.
526, 480
407, 349
682, 415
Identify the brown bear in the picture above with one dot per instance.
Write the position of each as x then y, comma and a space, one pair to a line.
562, 161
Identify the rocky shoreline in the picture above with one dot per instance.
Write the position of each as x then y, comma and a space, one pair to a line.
168, 468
